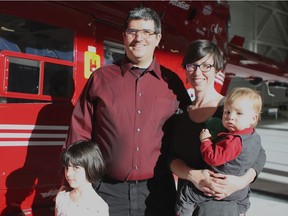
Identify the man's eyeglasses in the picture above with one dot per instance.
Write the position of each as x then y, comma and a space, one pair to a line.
203, 67
145, 33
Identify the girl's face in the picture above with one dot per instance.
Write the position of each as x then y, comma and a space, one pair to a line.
200, 80
76, 176
239, 115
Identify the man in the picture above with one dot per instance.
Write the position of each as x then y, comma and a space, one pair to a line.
123, 108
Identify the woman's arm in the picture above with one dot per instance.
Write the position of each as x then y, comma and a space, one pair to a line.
228, 184
225, 185
212, 184
200, 178
260, 162
217, 184
180, 169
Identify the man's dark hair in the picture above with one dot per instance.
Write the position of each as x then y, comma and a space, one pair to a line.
145, 14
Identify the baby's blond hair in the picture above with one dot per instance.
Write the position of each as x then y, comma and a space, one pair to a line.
251, 94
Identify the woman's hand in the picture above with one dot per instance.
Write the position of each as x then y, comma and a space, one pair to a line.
216, 184
203, 180
225, 185
212, 184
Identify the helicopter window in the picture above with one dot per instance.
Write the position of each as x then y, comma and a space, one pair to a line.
113, 52
26, 36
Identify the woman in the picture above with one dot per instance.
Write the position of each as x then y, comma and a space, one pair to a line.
202, 61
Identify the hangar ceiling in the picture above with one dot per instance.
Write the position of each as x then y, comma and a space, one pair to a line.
263, 24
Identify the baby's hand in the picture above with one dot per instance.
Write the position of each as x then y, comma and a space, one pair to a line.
204, 134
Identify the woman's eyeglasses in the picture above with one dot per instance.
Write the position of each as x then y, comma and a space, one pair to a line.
203, 67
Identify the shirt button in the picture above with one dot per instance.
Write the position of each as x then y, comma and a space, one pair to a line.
136, 167
140, 94
138, 129
139, 111
137, 148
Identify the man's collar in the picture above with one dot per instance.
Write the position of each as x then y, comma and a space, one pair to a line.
154, 67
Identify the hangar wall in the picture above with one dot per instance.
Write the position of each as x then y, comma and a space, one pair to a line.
264, 24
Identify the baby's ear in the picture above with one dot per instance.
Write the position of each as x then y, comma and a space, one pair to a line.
255, 118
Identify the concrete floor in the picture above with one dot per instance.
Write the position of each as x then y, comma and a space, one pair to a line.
263, 205
270, 191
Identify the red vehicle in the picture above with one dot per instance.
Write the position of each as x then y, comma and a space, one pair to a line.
47, 52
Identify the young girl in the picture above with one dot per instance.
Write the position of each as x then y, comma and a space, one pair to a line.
83, 165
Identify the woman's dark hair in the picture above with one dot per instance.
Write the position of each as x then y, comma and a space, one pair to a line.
198, 49
87, 155
145, 14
